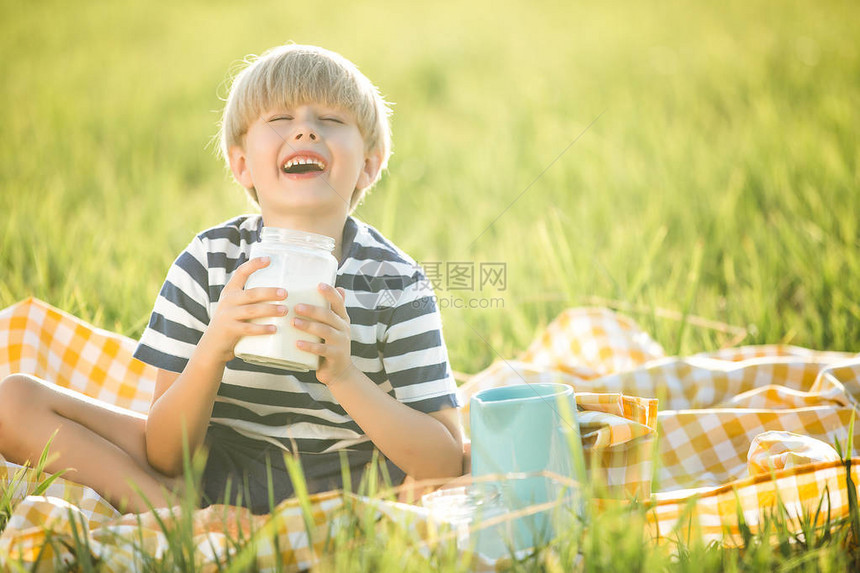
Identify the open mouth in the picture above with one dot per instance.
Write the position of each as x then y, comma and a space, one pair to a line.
300, 165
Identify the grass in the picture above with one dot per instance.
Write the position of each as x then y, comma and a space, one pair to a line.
603, 537
720, 180
726, 136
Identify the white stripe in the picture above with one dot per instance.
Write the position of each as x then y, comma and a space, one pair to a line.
411, 327
425, 390
361, 333
158, 341
278, 383
372, 365
414, 359
218, 277
230, 249
184, 281
300, 431
174, 313
266, 409
343, 444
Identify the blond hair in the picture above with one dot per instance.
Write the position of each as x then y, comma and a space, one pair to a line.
293, 74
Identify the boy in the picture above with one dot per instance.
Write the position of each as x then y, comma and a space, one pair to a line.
384, 381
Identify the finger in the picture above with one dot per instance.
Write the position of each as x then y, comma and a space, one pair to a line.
254, 329
240, 276
336, 298
312, 347
249, 311
261, 294
340, 308
317, 313
319, 329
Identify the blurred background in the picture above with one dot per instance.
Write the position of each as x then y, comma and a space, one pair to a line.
719, 180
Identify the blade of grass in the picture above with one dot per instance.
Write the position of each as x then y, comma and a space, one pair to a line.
294, 469
692, 288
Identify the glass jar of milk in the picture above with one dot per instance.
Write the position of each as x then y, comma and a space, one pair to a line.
299, 261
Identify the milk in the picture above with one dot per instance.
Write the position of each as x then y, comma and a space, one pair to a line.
298, 263
279, 349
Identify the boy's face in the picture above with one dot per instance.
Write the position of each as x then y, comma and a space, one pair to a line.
304, 160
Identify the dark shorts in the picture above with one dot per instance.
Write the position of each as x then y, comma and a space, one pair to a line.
242, 462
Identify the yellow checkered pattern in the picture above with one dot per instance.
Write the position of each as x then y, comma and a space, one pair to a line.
714, 515
38, 339
714, 407
780, 450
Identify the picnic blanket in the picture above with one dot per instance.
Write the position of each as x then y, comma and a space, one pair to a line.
713, 407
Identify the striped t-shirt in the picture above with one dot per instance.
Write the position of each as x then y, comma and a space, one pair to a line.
396, 333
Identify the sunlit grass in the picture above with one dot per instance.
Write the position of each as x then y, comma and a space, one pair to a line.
603, 537
733, 129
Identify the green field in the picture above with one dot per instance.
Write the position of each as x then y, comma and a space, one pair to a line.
721, 177
733, 130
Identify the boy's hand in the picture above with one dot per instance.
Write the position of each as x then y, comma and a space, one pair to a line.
236, 308
332, 325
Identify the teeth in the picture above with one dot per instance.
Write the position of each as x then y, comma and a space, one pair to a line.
303, 161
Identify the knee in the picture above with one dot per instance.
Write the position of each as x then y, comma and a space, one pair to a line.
18, 393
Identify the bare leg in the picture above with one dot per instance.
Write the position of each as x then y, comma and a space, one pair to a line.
103, 445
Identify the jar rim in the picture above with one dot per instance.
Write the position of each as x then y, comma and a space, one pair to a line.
299, 238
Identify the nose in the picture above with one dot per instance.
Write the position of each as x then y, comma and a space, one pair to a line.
307, 133
305, 130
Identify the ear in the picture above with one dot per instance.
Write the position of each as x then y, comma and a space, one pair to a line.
239, 167
369, 170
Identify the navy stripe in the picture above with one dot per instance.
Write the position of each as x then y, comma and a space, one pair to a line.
368, 317
178, 297
234, 231
230, 233
312, 446
348, 244
372, 283
377, 377
414, 309
157, 358
276, 398
222, 261
418, 374
423, 341
174, 330
389, 246
275, 420
362, 350
363, 253
241, 366
198, 273
215, 292
435, 404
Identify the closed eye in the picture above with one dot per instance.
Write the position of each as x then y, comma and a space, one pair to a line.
281, 117
334, 119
